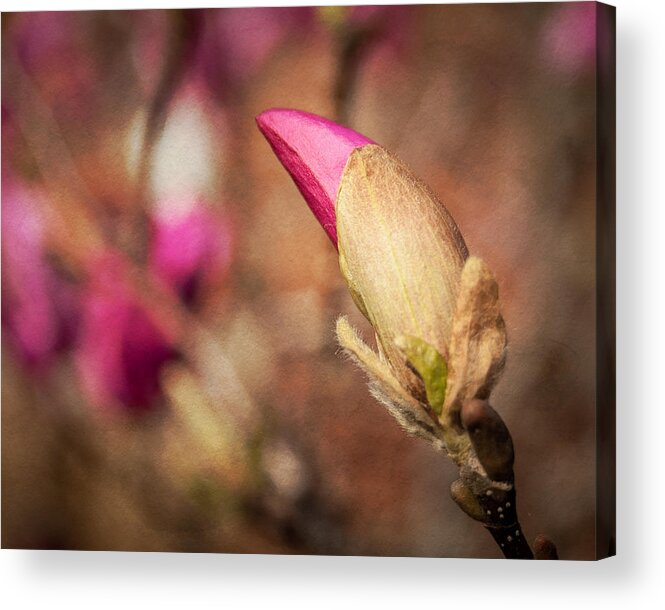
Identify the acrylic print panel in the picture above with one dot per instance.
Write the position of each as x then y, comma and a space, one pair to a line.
187, 351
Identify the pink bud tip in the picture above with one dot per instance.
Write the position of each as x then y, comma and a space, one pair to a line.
314, 151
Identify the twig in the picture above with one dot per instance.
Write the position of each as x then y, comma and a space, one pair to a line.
486, 487
183, 40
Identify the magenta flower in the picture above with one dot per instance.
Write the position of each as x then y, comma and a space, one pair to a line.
123, 346
38, 306
189, 250
314, 151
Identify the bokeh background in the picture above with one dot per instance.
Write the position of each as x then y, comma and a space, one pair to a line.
170, 378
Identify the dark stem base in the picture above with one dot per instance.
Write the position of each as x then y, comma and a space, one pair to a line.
512, 542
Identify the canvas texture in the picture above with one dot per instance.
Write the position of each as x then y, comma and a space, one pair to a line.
310, 280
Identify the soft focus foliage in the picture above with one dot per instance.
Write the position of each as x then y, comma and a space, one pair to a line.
170, 376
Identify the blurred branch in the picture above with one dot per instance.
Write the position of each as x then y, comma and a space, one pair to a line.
183, 40
352, 45
41, 131
353, 40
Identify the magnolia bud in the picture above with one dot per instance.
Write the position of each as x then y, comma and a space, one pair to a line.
440, 335
400, 253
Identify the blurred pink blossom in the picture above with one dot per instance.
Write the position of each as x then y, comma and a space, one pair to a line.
237, 41
38, 306
52, 48
570, 37
190, 249
389, 30
122, 345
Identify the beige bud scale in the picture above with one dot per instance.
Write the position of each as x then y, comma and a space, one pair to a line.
408, 270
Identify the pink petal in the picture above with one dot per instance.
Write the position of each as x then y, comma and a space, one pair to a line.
189, 249
122, 345
314, 151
